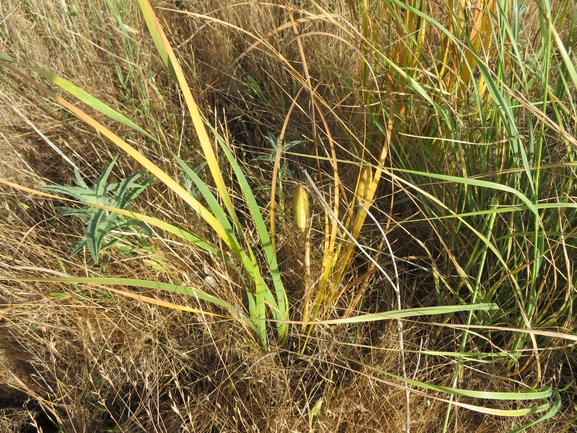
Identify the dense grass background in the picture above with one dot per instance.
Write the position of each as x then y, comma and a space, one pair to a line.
441, 136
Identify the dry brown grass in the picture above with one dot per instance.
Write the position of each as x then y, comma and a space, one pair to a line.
103, 363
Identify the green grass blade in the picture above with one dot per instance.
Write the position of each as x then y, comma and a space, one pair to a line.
475, 182
156, 285
412, 312
555, 408
206, 193
85, 97
280, 307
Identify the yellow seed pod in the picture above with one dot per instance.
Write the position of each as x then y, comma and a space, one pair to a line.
364, 184
301, 208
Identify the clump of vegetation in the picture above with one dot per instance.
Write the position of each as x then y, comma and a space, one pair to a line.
101, 223
421, 280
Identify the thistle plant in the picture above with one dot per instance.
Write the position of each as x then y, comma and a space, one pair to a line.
104, 229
